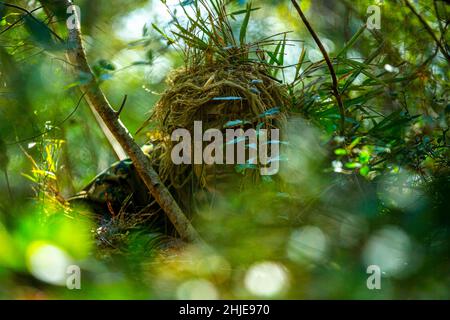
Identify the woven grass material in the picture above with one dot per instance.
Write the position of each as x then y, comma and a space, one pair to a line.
215, 95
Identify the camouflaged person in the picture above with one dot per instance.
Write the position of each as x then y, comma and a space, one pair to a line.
220, 97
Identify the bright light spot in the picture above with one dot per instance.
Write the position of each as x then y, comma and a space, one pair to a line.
315, 55
355, 55
160, 68
358, 81
47, 262
197, 290
291, 59
266, 279
307, 244
390, 68
390, 249
401, 191
131, 26
328, 44
337, 166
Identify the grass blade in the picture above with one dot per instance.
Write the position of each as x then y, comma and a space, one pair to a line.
244, 26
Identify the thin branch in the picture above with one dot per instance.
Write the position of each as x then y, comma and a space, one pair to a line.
438, 16
124, 101
335, 88
96, 98
30, 13
8, 185
390, 49
18, 20
57, 125
429, 29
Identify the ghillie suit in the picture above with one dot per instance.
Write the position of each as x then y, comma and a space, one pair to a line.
224, 87
191, 96
220, 97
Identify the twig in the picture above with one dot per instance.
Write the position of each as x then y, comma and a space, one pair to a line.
18, 20
30, 13
96, 98
8, 185
438, 16
335, 88
429, 29
59, 124
124, 101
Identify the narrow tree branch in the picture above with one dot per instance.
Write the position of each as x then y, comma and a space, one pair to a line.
29, 13
119, 151
335, 87
429, 29
124, 101
18, 20
97, 99
8, 185
113, 143
438, 16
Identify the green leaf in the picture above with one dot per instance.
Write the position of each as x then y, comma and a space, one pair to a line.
352, 41
165, 36
192, 40
300, 63
244, 26
364, 171
340, 152
283, 47
352, 165
107, 65
354, 143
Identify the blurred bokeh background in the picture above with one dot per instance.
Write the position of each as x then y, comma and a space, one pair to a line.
378, 196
